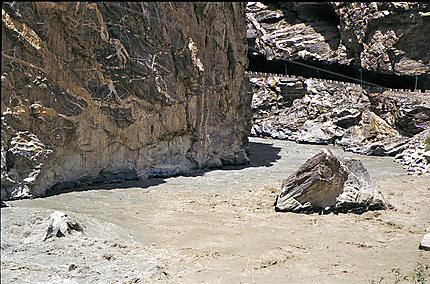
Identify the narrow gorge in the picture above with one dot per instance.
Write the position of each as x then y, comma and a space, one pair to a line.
341, 73
215, 142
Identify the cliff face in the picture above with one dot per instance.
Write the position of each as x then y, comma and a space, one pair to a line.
115, 91
383, 37
317, 111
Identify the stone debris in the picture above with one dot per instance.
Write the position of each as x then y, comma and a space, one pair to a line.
415, 158
61, 225
322, 112
327, 184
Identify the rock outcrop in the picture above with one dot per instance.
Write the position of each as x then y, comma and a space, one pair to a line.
114, 91
383, 41
416, 157
381, 37
309, 110
327, 183
61, 225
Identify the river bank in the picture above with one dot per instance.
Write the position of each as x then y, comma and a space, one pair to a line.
221, 227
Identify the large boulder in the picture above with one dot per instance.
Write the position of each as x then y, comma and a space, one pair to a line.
328, 183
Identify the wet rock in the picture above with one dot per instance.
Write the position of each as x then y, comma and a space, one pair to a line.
326, 183
425, 242
61, 225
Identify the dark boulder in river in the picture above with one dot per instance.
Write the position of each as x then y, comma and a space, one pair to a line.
330, 184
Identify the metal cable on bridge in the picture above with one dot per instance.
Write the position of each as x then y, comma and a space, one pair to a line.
196, 31
245, 46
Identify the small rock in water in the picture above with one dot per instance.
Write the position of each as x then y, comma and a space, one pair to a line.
425, 242
61, 225
72, 267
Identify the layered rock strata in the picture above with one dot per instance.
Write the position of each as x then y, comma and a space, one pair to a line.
381, 37
100, 92
330, 184
309, 110
416, 157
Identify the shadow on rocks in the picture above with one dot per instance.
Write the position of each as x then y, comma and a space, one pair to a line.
260, 155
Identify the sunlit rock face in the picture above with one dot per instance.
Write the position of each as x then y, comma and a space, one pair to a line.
381, 37
326, 182
99, 92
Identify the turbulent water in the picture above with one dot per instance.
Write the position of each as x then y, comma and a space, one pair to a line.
130, 206
218, 226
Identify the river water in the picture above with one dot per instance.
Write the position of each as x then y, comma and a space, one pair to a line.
130, 206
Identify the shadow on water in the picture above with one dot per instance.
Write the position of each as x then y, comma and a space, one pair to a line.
260, 155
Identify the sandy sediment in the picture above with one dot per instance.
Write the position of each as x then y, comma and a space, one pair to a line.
219, 227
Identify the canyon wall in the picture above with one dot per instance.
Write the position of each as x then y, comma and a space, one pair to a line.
318, 111
381, 37
106, 92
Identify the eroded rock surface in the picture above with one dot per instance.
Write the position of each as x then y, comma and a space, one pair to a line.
117, 91
382, 37
327, 183
316, 111
61, 225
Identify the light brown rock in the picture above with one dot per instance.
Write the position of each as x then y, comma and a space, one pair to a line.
139, 89
330, 184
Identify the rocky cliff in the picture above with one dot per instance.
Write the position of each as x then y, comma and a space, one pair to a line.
99, 92
384, 43
317, 111
381, 37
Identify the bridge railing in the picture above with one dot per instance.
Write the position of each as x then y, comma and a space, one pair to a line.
371, 88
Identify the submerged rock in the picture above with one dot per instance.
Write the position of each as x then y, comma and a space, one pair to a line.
328, 183
61, 225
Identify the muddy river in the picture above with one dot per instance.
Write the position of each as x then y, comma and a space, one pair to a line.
220, 226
